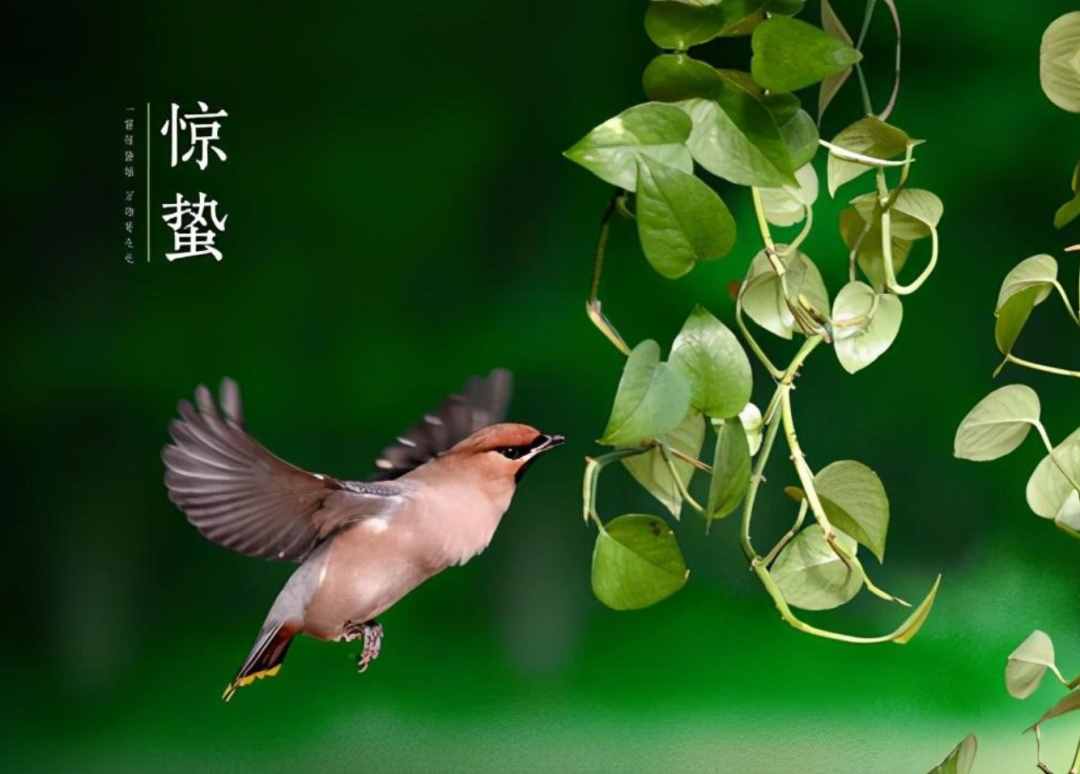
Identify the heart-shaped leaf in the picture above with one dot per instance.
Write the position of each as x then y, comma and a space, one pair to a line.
961, 759
1049, 492
812, 576
1059, 62
855, 502
680, 219
731, 469
869, 254
1012, 317
865, 325
652, 472
714, 363
1028, 663
652, 399
789, 54
868, 136
998, 424
1038, 271
636, 562
653, 130
764, 299
787, 206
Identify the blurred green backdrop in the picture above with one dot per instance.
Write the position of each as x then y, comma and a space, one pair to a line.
400, 218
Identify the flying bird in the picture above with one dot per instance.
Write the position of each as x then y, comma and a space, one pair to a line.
438, 493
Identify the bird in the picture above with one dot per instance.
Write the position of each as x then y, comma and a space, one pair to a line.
434, 501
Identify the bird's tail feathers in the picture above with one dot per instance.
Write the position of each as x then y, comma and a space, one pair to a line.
265, 658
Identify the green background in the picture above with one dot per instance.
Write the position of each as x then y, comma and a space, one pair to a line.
400, 218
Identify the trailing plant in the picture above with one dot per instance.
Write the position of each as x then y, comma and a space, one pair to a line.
1023, 673
1000, 422
749, 129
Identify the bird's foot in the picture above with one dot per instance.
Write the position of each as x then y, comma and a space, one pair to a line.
372, 634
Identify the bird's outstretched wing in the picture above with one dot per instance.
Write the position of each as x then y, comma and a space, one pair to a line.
483, 402
239, 495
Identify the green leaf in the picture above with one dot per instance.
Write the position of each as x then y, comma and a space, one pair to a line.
801, 138
790, 54
650, 470
1049, 493
784, 7
810, 575
714, 363
752, 423
652, 399
855, 502
1028, 663
870, 257
653, 130
961, 759
736, 134
1038, 271
786, 206
1059, 62
1068, 703
680, 219
831, 23
998, 424
1067, 212
910, 627
865, 325
679, 26
1012, 317
636, 562
764, 300
731, 469
869, 136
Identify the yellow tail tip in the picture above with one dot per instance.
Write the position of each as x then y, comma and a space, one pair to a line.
240, 682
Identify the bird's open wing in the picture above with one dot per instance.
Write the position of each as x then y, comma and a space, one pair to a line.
483, 402
239, 495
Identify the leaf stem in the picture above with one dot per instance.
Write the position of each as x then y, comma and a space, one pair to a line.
1075, 767
679, 485
1011, 358
593, 467
771, 428
1065, 299
886, 200
775, 550
702, 466
774, 372
593, 305
868, 14
1050, 452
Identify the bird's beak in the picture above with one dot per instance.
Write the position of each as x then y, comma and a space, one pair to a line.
549, 442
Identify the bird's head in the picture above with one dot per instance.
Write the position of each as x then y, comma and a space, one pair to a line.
504, 451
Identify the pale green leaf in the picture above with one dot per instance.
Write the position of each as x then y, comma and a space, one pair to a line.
869, 136
810, 575
731, 469
855, 501
786, 206
914, 623
636, 562
652, 399
714, 363
865, 325
653, 130
764, 300
1059, 62
680, 219
998, 424
870, 257
1028, 663
1038, 271
789, 54
752, 423
961, 759
1049, 492
652, 472
1012, 317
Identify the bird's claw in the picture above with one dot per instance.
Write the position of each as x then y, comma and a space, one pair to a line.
372, 633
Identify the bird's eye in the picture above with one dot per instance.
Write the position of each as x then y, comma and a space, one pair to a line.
510, 452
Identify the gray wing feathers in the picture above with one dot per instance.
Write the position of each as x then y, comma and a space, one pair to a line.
239, 495
483, 402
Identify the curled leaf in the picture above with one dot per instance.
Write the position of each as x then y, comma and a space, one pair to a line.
1028, 663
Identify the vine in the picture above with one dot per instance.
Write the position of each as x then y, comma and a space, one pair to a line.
750, 130
1001, 421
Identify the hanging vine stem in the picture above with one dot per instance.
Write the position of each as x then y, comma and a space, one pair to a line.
593, 305
886, 200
